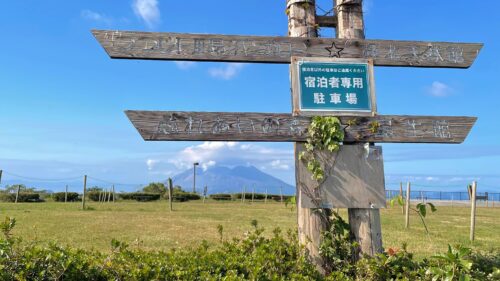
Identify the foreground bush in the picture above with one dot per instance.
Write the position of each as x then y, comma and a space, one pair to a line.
60, 196
253, 258
23, 197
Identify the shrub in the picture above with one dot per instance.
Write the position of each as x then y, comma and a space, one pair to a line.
72, 196
23, 197
140, 196
255, 257
221, 196
278, 197
96, 195
248, 195
182, 196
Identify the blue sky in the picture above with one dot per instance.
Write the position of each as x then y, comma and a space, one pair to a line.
62, 98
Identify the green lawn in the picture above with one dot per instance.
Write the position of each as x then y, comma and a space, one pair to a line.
152, 226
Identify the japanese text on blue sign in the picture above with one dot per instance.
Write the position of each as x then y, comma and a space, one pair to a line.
334, 86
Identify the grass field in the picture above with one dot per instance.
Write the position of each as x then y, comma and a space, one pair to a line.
151, 226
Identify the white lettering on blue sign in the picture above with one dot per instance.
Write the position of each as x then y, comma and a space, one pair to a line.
310, 82
319, 98
335, 98
351, 98
357, 83
346, 82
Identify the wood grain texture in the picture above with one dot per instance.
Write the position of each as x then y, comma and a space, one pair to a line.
310, 223
273, 127
354, 178
326, 21
234, 48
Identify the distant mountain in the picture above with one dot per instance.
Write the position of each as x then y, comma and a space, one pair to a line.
220, 179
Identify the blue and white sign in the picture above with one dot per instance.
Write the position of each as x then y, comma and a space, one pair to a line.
334, 86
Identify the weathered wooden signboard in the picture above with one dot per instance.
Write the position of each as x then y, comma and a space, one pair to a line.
233, 48
322, 86
354, 179
266, 127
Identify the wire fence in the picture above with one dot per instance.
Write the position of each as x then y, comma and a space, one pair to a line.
75, 184
423, 195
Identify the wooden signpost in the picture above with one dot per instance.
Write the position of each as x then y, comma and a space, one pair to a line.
316, 91
233, 48
275, 127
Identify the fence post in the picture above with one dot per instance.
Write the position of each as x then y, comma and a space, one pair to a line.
281, 194
265, 198
407, 206
401, 196
17, 193
253, 192
473, 210
114, 194
84, 191
66, 194
205, 191
170, 193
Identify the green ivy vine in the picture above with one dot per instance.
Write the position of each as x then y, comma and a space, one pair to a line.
324, 133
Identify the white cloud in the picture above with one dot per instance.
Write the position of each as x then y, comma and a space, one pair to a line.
148, 11
280, 165
439, 89
94, 16
184, 65
151, 163
226, 72
432, 179
208, 164
231, 154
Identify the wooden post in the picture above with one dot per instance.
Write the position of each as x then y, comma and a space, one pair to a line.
109, 195
407, 204
170, 193
205, 191
365, 223
281, 194
66, 194
265, 198
114, 193
401, 196
244, 193
17, 193
253, 193
1, 172
84, 191
310, 223
473, 210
